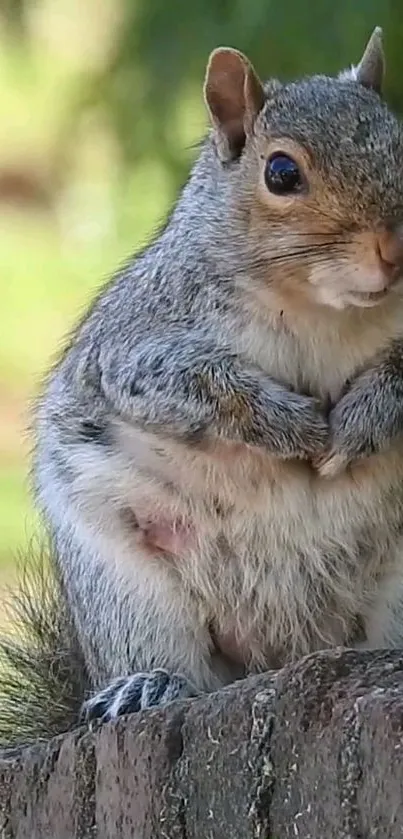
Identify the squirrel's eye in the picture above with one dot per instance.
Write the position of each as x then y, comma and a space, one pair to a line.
282, 174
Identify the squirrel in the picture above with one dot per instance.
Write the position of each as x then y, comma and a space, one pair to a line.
219, 449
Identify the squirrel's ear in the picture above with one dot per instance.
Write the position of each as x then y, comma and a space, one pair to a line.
371, 69
234, 96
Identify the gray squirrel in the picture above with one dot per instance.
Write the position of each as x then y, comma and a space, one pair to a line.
219, 449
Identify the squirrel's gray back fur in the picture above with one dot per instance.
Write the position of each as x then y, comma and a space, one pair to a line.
189, 349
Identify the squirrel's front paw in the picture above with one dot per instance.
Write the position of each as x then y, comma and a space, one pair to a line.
135, 693
350, 436
302, 429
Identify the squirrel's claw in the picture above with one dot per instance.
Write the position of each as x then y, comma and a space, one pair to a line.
331, 464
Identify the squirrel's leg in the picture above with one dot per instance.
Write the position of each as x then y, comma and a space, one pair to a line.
136, 619
167, 535
197, 393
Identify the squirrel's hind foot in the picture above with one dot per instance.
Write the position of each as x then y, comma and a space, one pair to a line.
135, 693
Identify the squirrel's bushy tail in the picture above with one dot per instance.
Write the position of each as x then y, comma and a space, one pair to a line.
43, 679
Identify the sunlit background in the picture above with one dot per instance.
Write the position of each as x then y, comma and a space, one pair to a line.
100, 110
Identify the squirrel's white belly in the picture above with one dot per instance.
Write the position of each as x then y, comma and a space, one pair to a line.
284, 561
301, 556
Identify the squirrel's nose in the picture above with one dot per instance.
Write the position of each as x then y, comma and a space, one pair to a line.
390, 251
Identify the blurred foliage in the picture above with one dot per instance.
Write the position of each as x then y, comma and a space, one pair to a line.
101, 105
154, 53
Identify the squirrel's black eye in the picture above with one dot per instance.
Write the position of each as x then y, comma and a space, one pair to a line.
282, 175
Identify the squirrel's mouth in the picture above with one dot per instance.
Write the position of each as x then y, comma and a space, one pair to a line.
372, 295
366, 299
376, 295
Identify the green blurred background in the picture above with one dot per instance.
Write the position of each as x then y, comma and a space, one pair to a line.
101, 108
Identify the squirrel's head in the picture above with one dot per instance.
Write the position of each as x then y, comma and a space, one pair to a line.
315, 174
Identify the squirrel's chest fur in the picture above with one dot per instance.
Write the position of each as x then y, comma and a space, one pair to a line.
317, 352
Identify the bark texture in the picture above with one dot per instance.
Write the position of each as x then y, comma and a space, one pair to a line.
314, 751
